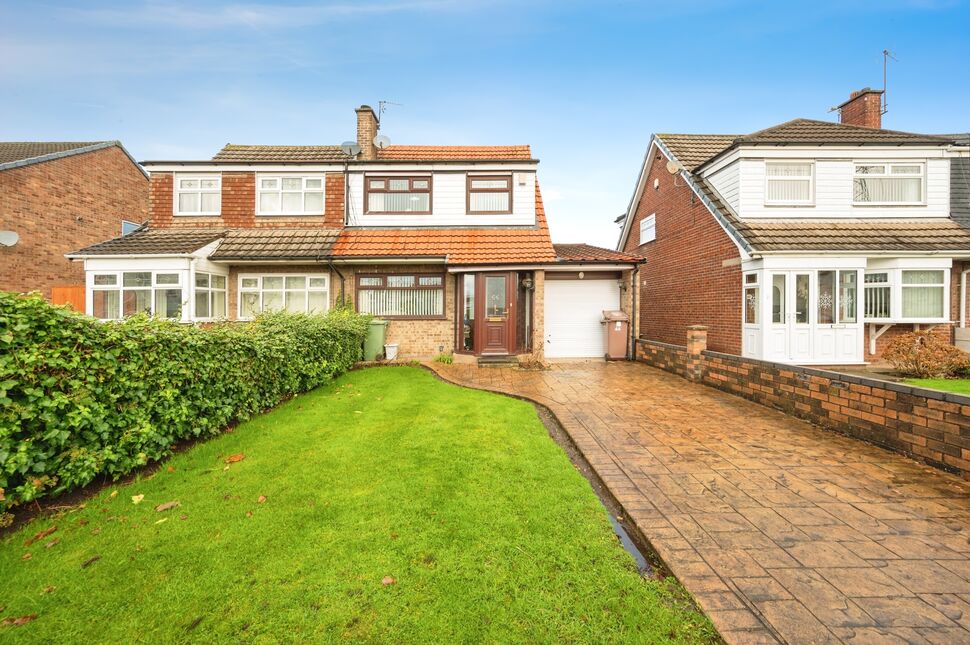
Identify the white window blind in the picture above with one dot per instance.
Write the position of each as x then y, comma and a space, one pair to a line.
923, 294
198, 194
648, 229
401, 296
888, 183
789, 182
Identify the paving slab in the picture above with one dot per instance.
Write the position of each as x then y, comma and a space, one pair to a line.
783, 532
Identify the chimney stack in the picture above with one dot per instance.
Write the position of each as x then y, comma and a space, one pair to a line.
367, 126
864, 108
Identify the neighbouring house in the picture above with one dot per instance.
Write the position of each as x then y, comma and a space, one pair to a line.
55, 196
808, 242
448, 243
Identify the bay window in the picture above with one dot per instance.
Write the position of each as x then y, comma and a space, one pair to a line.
289, 195
788, 183
199, 195
398, 195
878, 296
903, 295
414, 295
210, 296
117, 295
281, 292
489, 195
923, 294
887, 183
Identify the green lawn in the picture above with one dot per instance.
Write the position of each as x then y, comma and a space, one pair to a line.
459, 496
958, 385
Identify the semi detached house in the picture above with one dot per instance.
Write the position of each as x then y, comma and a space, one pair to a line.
809, 242
448, 243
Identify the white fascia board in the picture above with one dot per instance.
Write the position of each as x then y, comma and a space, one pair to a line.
484, 167
912, 262
127, 256
637, 193
881, 152
355, 167
722, 161
956, 255
241, 167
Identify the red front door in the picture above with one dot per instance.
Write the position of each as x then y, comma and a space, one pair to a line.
496, 336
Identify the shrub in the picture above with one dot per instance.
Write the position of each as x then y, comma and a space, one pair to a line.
444, 359
81, 398
923, 355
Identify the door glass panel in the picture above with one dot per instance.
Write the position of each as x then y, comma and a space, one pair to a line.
468, 313
802, 291
495, 305
751, 298
848, 288
778, 297
826, 297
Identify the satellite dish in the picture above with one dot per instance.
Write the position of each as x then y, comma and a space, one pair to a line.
381, 141
8, 238
350, 148
673, 167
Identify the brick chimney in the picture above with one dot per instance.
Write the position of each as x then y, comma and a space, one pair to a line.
367, 126
864, 108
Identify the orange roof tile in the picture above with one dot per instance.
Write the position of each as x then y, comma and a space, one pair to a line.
459, 246
455, 153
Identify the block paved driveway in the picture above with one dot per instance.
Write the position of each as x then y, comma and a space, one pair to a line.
782, 532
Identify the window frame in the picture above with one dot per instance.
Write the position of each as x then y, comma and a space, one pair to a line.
177, 191
383, 287
943, 286
811, 182
387, 191
652, 220
212, 294
887, 173
260, 289
127, 223
151, 288
468, 193
279, 177
894, 281
751, 282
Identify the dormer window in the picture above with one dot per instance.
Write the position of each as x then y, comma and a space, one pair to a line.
398, 195
789, 183
289, 195
198, 195
489, 195
896, 184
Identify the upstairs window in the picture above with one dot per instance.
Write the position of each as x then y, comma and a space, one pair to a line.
288, 195
888, 183
488, 195
788, 183
648, 229
402, 295
198, 194
398, 195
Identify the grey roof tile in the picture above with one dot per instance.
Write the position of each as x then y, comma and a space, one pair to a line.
155, 241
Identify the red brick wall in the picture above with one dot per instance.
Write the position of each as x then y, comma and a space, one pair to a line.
684, 281
61, 206
864, 109
239, 205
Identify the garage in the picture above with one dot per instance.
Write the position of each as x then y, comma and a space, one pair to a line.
574, 307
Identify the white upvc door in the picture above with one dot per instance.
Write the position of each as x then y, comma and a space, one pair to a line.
801, 331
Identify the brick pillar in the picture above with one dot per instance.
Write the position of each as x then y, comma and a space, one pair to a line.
696, 343
538, 316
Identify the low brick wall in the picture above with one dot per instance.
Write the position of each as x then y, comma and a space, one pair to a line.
928, 425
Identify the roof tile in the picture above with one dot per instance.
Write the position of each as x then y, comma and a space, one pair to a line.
588, 253
455, 153
155, 241
20, 150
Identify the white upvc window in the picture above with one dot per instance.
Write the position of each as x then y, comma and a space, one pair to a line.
906, 295
888, 184
119, 294
752, 299
648, 228
290, 194
198, 195
303, 293
210, 296
789, 183
129, 227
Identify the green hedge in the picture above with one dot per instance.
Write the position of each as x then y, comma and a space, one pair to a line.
81, 398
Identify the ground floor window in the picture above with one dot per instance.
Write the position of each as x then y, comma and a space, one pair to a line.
283, 292
905, 294
923, 294
210, 295
401, 295
119, 294
751, 296
837, 302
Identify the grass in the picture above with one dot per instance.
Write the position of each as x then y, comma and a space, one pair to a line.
958, 385
488, 531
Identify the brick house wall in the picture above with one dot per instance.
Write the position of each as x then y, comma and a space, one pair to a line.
61, 205
239, 205
692, 273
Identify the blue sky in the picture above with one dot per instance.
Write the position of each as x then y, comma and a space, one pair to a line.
584, 83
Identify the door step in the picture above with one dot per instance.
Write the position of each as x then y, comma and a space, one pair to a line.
497, 361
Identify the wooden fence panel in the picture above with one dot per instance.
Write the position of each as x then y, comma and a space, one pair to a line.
72, 296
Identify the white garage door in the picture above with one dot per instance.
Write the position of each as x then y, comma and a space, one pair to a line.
574, 309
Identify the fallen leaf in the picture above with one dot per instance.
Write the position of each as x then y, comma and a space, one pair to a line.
136, 499
171, 469
82, 522
388, 580
2, 498
22, 620
53, 542
194, 624
26, 556
164, 519
183, 516
114, 493
87, 563
49, 589
261, 499
96, 530
249, 513
167, 506
231, 459
40, 535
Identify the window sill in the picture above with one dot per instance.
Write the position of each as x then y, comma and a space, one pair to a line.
379, 213
217, 215
884, 204
290, 214
789, 204
412, 318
